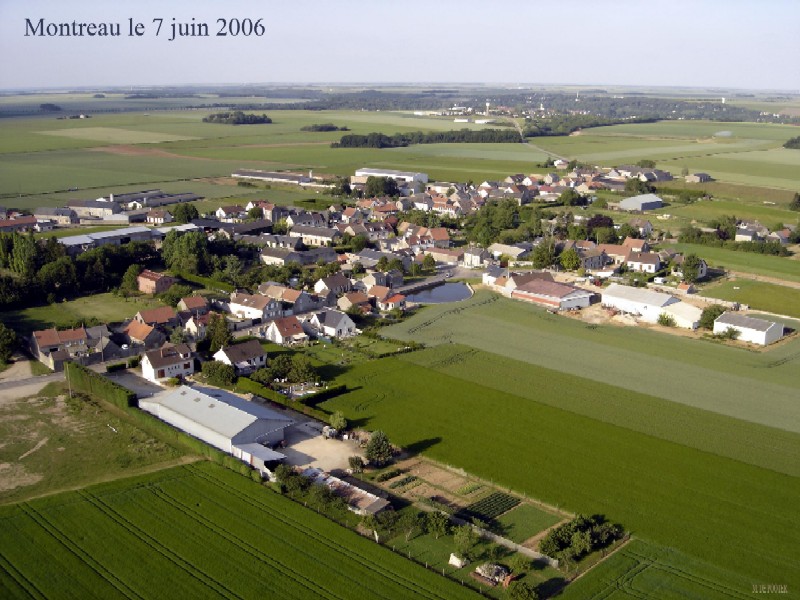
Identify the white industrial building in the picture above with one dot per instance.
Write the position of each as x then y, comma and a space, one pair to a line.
644, 303
641, 202
756, 331
223, 420
686, 315
407, 176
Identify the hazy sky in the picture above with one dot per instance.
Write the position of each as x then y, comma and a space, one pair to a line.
724, 43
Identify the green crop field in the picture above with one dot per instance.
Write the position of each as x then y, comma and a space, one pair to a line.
718, 509
745, 262
643, 570
757, 387
773, 298
193, 532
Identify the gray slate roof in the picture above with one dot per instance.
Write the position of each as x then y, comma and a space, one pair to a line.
737, 320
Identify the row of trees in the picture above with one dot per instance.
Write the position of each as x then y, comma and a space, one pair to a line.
381, 140
580, 536
237, 117
41, 271
724, 239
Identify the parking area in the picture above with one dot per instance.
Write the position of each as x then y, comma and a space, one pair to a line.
305, 447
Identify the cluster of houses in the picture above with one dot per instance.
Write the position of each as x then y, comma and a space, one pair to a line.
753, 231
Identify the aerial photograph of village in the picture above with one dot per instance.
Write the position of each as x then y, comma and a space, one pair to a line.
366, 300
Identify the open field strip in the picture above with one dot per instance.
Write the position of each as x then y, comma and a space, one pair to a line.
754, 444
753, 386
778, 299
641, 570
191, 532
115, 135
747, 262
720, 510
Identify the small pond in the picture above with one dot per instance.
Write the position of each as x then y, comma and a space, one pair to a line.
447, 292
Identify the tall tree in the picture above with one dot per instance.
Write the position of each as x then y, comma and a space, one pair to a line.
544, 254
185, 212
24, 256
217, 332
8, 341
570, 259
690, 268
130, 282
379, 449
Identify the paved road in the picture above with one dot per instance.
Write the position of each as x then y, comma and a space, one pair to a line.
7, 385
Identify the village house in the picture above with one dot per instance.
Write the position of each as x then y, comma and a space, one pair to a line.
141, 334
332, 324
391, 279
355, 299
196, 326
643, 226
391, 302
167, 362
230, 214
336, 284
254, 306
286, 330
245, 357
151, 282
163, 316
315, 236
58, 215
645, 262
475, 258
158, 216
197, 305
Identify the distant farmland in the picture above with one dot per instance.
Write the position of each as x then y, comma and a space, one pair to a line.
196, 532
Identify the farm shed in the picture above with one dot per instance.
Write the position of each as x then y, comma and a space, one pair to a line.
757, 331
552, 294
685, 315
359, 501
222, 420
641, 202
647, 304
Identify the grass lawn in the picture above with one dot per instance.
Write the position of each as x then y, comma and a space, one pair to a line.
746, 262
778, 299
524, 521
53, 443
106, 308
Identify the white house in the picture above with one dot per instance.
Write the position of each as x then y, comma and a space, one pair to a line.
646, 304
333, 324
245, 357
167, 362
756, 331
646, 262
254, 306
286, 330
223, 420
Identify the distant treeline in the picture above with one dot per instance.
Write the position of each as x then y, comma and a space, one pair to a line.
566, 124
398, 140
324, 127
793, 143
237, 117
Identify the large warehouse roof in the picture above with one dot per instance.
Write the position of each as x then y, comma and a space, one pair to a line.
641, 295
217, 410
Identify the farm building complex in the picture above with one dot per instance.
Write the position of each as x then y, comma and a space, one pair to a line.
224, 421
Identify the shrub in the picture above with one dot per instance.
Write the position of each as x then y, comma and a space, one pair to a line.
115, 367
219, 373
134, 361
666, 320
